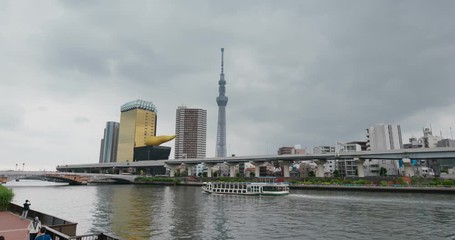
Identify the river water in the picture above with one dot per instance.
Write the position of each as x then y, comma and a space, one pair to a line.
168, 212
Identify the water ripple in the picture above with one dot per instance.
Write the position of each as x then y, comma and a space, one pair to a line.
151, 212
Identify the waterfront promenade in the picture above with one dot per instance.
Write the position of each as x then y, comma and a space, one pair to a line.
12, 227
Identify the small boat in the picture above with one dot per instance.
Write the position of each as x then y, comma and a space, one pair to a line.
247, 188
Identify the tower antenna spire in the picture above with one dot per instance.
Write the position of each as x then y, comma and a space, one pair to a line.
222, 60
221, 101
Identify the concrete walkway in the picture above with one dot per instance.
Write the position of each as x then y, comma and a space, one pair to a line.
12, 227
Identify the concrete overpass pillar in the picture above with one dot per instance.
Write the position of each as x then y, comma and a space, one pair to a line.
408, 172
189, 168
285, 166
320, 167
232, 169
209, 169
172, 169
256, 168
360, 172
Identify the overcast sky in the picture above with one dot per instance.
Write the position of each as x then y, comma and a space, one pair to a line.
298, 72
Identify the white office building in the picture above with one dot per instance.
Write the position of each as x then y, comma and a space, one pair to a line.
383, 137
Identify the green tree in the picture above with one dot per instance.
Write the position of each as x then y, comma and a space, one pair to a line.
311, 174
336, 174
383, 172
6, 195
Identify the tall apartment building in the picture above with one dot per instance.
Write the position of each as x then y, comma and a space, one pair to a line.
137, 122
383, 137
191, 133
109, 143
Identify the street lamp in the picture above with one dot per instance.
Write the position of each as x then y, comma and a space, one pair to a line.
16, 168
23, 165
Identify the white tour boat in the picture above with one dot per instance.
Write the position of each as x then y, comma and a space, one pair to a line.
247, 188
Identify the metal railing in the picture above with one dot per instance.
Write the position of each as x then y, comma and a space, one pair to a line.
58, 224
94, 236
60, 229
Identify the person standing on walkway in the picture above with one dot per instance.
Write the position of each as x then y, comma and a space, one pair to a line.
34, 227
25, 209
42, 235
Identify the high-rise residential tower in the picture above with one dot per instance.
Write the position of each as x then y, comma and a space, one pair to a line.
109, 143
383, 137
137, 122
191, 133
221, 100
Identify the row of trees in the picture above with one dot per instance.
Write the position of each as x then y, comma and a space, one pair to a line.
156, 180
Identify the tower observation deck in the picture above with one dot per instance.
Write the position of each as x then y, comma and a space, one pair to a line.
221, 100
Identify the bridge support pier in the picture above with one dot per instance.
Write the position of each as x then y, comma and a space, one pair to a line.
408, 172
360, 172
172, 169
256, 168
232, 169
209, 169
320, 167
189, 168
285, 166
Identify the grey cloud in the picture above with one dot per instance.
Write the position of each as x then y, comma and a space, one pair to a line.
80, 120
307, 72
12, 117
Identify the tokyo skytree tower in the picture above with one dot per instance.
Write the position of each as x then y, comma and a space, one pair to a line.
221, 100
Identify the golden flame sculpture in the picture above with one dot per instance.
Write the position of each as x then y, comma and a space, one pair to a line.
157, 140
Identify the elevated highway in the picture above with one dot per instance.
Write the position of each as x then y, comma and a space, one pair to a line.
285, 160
